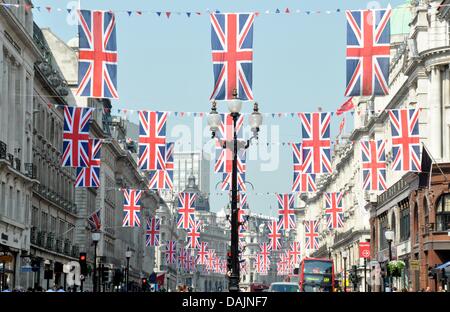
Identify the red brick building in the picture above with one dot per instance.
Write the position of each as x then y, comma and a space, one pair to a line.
430, 226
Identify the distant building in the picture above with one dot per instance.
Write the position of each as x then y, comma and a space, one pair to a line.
191, 163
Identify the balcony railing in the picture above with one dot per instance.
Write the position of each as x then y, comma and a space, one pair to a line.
59, 244
67, 247
33, 235
50, 241
30, 170
41, 238
75, 251
3, 148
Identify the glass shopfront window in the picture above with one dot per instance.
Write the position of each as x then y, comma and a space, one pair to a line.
443, 213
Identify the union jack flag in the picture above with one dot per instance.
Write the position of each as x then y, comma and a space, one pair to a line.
211, 259
312, 234
152, 140
316, 145
152, 232
295, 253
94, 221
286, 213
186, 210
202, 253
258, 264
90, 176
97, 66
193, 235
131, 208
183, 258
225, 137
303, 182
171, 252
334, 210
405, 139
274, 235
243, 267
373, 165
163, 179
232, 54
368, 52
217, 265
226, 182
224, 162
76, 136
265, 256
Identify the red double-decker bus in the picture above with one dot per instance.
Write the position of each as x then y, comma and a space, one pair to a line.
316, 275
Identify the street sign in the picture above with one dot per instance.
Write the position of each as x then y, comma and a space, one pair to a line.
6, 258
414, 265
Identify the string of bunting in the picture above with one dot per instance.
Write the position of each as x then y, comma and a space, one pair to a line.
182, 114
224, 193
188, 14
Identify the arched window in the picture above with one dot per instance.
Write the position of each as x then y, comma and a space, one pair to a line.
393, 225
426, 211
443, 213
416, 223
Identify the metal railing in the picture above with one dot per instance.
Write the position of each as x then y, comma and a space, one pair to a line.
67, 247
3, 148
30, 170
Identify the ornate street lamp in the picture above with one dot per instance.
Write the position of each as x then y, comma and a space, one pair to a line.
344, 255
255, 121
389, 235
128, 256
95, 240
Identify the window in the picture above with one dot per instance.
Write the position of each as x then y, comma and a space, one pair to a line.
443, 213
35, 217
404, 225
426, 211
44, 221
384, 225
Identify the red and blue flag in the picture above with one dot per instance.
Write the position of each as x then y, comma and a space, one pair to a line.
90, 176
368, 52
316, 145
152, 140
232, 55
76, 136
405, 139
97, 59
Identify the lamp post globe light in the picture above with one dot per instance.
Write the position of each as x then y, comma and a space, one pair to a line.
128, 256
95, 239
345, 255
255, 121
389, 235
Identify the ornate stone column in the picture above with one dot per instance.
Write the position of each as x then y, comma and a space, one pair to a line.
435, 117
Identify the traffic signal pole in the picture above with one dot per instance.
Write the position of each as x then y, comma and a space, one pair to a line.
94, 276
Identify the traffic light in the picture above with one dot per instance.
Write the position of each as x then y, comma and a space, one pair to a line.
105, 274
83, 264
144, 284
229, 266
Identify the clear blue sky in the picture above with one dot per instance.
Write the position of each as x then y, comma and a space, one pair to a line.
165, 64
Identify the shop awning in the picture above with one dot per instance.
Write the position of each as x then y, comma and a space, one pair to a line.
442, 266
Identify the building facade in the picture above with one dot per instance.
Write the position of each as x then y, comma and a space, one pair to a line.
18, 55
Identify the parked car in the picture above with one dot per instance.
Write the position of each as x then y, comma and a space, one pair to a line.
284, 287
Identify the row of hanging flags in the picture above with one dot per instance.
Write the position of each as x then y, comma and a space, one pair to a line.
368, 49
368, 52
